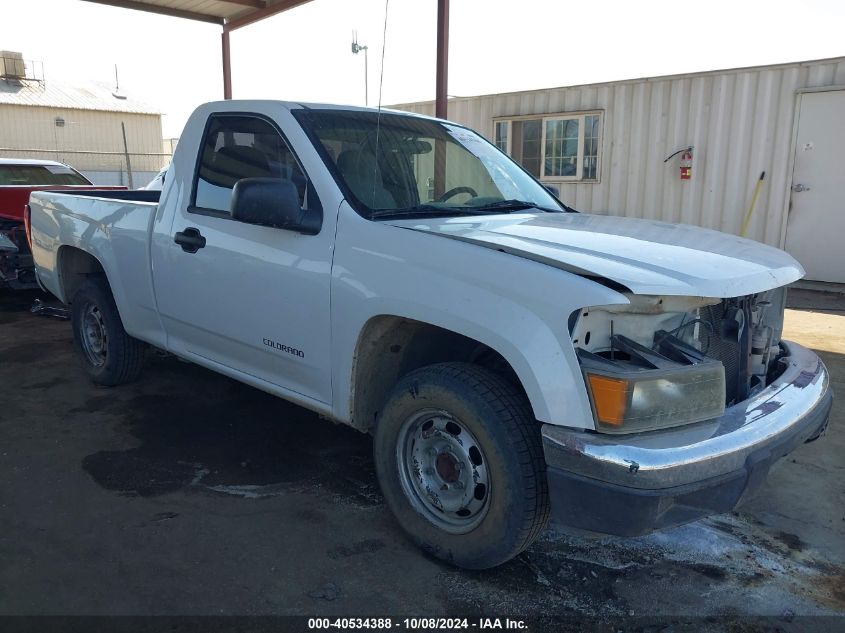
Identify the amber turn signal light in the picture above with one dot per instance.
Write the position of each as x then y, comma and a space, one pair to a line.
610, 398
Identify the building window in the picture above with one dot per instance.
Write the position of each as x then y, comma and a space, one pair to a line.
557, 147
501, 135
561, 156
591, 147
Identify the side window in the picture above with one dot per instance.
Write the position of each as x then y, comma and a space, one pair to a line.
237, 147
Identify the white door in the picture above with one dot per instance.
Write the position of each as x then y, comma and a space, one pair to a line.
251, 298
815, 230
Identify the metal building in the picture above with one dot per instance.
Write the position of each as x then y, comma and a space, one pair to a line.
604, 146
79, 124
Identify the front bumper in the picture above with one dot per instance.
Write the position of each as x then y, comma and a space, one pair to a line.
631, 485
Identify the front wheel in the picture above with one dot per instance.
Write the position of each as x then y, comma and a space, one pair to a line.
110, 356
459, 460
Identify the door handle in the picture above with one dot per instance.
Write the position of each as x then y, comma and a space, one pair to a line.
191, 240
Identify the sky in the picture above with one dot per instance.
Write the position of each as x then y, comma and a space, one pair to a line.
495, 46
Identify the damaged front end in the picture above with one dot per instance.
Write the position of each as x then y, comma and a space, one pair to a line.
668, 361
694, 400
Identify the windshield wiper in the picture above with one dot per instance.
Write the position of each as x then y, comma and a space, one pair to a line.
430, 210
512, 205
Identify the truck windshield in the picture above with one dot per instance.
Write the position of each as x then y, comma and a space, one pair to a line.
396, 165
22, 175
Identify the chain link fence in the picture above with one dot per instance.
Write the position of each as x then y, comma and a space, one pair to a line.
102, 168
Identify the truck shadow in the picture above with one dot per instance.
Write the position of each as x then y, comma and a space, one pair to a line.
15, 302
196, 429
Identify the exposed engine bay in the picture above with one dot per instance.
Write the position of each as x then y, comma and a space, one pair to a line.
702, 354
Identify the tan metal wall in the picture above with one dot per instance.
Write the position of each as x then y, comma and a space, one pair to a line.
90, 140
741, 122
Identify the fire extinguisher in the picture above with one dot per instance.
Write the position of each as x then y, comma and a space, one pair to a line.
686, 165
686, 162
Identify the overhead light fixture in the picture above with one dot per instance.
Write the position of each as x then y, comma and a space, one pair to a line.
357, 48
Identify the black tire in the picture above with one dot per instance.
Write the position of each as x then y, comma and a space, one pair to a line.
121, 356
499, 420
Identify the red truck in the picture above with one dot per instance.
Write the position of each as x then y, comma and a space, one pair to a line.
19, 178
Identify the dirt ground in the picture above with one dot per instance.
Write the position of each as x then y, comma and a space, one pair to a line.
188, 493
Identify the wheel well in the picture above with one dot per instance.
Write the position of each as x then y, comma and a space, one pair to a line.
75, 266
390, 347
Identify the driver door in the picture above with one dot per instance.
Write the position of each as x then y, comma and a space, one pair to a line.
247, 299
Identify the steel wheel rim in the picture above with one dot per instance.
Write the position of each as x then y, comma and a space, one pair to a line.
443, 471
92, 330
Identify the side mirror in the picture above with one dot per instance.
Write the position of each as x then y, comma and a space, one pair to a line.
555, 191
272, 202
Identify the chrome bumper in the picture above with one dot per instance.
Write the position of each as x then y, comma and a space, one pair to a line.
719, 460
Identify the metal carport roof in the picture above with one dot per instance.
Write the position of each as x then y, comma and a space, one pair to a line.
230, 14
233, 14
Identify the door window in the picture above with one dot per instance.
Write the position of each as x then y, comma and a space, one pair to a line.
237, 147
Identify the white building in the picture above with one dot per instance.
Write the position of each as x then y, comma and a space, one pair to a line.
80, 124
604, 146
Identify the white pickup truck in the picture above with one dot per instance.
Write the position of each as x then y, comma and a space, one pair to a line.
398, 273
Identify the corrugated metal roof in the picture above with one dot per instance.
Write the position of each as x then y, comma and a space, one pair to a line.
233, 13
80, 96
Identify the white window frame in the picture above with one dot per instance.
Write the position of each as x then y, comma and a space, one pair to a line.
509, 128
560, 116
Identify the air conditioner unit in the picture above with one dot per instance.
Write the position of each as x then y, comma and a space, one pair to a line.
11, 64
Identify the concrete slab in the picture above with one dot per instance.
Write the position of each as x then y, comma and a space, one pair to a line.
189, 493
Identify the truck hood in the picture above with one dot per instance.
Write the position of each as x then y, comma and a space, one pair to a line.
645, 256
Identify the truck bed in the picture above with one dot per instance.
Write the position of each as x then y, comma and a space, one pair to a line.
115, 193
114, 230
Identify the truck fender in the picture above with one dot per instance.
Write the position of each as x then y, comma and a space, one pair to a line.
517, 307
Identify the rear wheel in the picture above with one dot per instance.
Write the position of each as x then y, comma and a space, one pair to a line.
110, 356
460, 462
